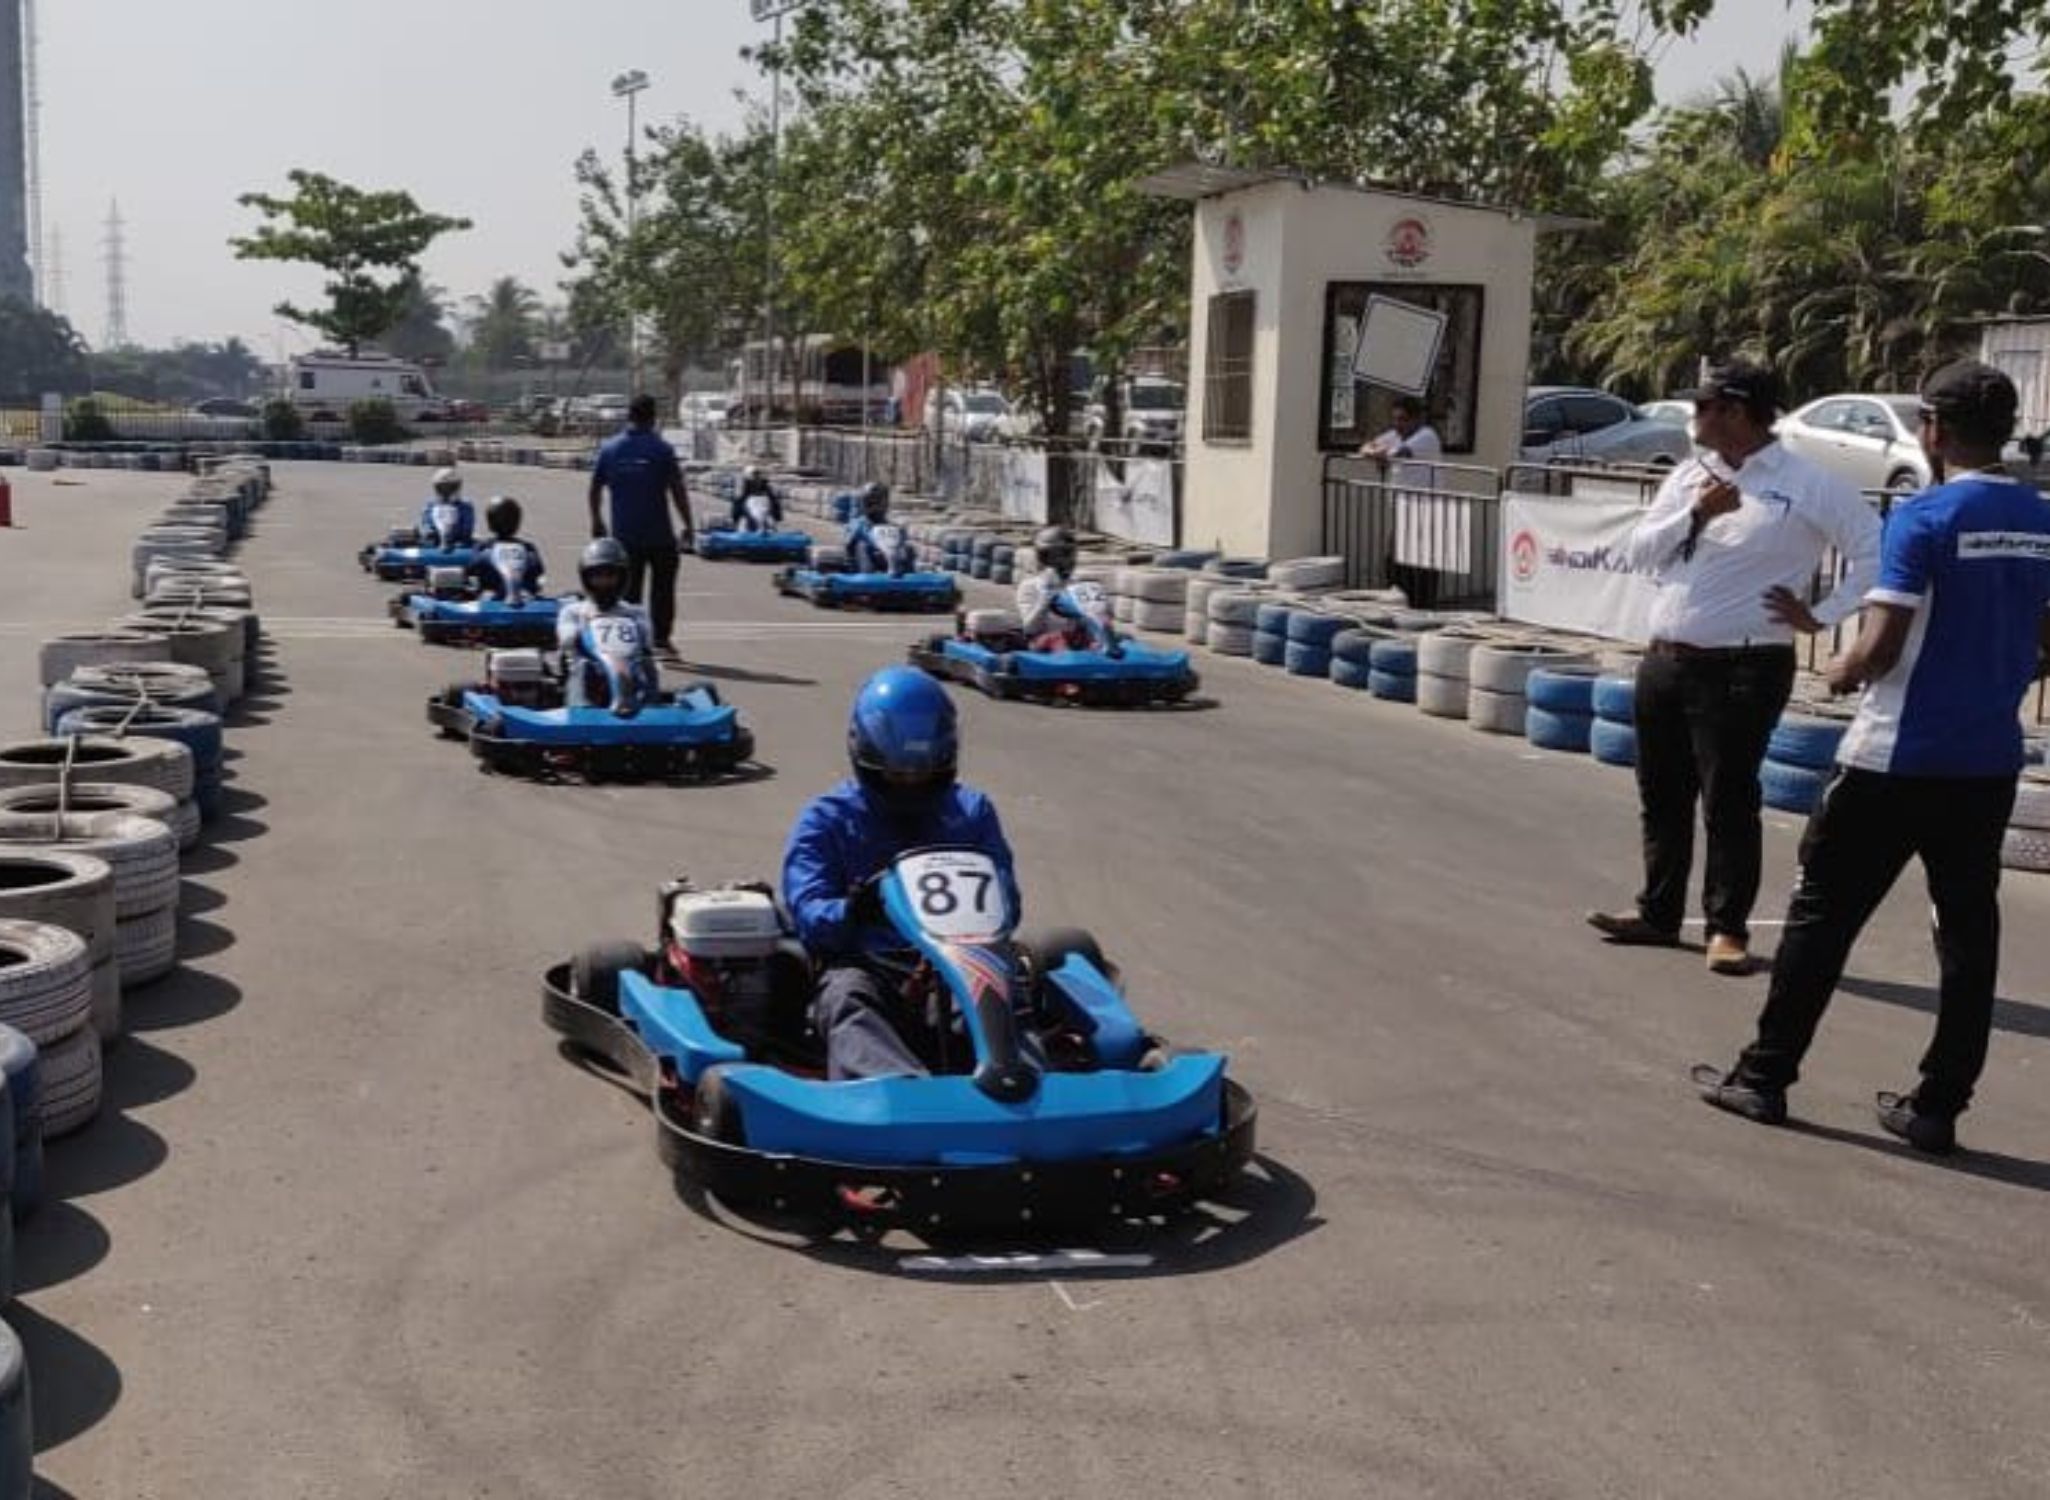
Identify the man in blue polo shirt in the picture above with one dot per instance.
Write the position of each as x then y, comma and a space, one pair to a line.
645, 478
1950, 639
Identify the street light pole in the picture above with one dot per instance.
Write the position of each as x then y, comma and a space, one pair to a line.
776, 10
628, 86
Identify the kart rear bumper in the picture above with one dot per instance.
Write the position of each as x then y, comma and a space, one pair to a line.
1091, 692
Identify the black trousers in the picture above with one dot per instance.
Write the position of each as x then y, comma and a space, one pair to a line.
1858, 841
654, 568
1703, 720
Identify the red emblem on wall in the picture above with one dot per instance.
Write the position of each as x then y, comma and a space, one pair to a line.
1409, 243
1234, 243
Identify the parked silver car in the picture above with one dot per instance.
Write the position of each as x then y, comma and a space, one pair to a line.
1873, 441
1569, 423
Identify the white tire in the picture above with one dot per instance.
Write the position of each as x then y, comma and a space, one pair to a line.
1444, 653
142, 852
62, 655
144, 676
1441, 697
1153, 614
1121, 608
1229, 639
1161, 586
45, 982
1496, 713
1307, 573
69, 1071
1235, 607
61, 888
206, 644
1504, 667
109, 1021
165, 765
2025, 849
147, 947
182, 818
2032, 801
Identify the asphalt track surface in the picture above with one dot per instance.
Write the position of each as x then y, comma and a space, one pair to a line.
351, 1227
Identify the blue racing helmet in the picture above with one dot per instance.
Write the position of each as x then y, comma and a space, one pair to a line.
903, 736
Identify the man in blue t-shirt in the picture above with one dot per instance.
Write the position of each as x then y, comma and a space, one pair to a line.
1950, 639
646, 479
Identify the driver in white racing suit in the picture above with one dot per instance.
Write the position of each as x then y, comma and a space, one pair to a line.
601, 635
755, 486
508, 567
874, 545
448, 520
1046, 612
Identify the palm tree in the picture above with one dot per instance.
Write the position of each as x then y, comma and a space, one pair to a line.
502, 323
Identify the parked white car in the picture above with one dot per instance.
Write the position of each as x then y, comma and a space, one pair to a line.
1873, 441
703, 411
1569, 424
973, 414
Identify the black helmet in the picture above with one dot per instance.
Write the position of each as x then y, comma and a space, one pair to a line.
875, 501
601, 558
503, 516
1055, 546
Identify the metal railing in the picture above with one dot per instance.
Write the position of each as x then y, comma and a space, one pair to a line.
1429, 529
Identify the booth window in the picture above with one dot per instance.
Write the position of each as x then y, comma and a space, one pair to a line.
1228, 370
1353, 412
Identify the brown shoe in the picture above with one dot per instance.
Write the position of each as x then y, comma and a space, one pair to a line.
1629, 929
1728, 955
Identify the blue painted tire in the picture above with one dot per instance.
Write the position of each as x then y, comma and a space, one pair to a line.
17, 1431
1236, 567
1794, 789
1311, 629
1269, 650
19, 1065
1304, 660
1798, 740
197, 731
1355, 646
1396, 658
1549, 729
1350, 674
1188, 561
1394, 687
980, 568
1615, 699
1611, 743
1272, 619
1570, 693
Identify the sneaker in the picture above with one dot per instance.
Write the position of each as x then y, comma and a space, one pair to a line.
1935, 1134
1728, 955
1765, 1106
1630, 930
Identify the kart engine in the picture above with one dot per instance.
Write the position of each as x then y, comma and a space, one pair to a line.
448, 583
518, 679
729, 947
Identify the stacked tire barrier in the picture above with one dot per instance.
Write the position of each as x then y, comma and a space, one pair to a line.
1799, 760
46, 996
1442, 686
1612, 736
1158, 597
1561, 708
1498, 675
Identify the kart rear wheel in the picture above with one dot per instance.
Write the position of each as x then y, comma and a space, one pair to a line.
594, 972
713, 1112
452, 697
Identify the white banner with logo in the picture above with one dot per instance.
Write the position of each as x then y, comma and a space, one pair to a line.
1563, 566
1141, 508
1021, 494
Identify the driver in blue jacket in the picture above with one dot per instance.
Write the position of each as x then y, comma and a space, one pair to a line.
448, 520
866, 552
508, 567
602, 628
904, 743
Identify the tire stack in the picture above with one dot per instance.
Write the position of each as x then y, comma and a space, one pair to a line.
74, 891
1499, 677
138, 724
1442, 688
1003, 563
1270, 632
46, 995
1561, 715
1233, 615
1160, 598
143, 856
1800, 758
1392, 667
1305, 575
21, 1089
2026, 845
1196, 612
1612, 737
1311, 635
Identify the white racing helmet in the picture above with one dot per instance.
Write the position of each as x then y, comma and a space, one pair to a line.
448, 481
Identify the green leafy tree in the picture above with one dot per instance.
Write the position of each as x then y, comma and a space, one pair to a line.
39, 351
369, 243
421, 332
502, 323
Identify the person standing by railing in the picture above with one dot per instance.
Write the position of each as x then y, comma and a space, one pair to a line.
1732, 540
1400, 451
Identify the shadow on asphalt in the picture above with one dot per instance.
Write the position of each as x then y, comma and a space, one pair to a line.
2008, 1015
692, 669
202, 939
196, 900
42, 1489
60, 1242
74, 1385
207, 859
139, 1075
184, 997
1268, 1207
110, 1153
2015, 1171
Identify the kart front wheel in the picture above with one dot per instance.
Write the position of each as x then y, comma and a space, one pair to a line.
1048, 949
713, 1112
594, 972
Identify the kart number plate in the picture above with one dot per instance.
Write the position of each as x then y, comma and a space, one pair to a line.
956, 894
445, 519
616, 640
1088, 598
888, 538
510, 558
758, 510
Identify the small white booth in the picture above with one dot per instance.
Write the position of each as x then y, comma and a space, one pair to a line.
1313, 306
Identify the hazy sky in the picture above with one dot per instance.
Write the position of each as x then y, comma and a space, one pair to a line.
478, 107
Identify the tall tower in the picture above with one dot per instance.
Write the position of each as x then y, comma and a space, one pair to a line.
32, 152
15, 280
117, 279
51, 282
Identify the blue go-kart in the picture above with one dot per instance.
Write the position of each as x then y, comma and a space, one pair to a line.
406, 556
1048, 1104
757, 542
518, 721
452, 611
830, 582
989, 652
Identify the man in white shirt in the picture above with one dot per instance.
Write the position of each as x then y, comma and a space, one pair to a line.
1732, 541
1424, 541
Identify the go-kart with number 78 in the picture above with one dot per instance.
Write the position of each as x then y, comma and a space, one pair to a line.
519, 720
1049, 1103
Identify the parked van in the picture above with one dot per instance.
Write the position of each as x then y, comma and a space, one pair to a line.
325, 386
